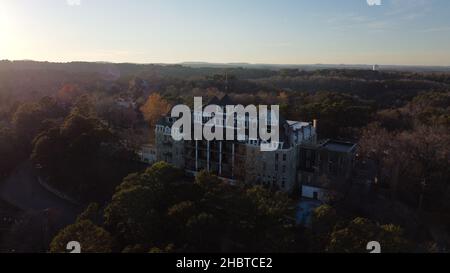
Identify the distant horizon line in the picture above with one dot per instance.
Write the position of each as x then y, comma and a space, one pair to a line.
227, 63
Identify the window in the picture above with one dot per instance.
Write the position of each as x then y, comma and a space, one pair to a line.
284, 157
284, 169
283, 183
276, 167
276, 157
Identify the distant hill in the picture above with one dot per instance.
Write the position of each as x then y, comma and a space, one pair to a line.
134, 69
116, 70
312, 67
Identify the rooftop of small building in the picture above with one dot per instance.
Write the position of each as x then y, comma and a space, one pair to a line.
339, 146
148, 145
297, 124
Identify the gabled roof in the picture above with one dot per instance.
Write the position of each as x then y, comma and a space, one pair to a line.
213, 101
224, 101
163, 122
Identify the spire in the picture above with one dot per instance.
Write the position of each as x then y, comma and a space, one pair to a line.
226, 82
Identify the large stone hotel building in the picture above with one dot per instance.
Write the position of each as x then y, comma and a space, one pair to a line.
301, 164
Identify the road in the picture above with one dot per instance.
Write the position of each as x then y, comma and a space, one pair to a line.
23, 190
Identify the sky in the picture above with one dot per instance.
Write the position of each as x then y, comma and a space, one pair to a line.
403, 32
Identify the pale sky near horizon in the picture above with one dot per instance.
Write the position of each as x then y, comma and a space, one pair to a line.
404, 32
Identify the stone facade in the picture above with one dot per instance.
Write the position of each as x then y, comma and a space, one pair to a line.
299, 161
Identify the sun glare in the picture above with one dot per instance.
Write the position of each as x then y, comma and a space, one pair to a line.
6, 31
4, 18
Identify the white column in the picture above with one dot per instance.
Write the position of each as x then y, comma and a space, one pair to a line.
196, 155
220, 158
207, 157
232, 161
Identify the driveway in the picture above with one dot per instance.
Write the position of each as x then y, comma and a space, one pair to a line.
305, 209
23, 190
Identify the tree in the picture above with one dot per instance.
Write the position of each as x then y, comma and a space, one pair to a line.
94, 161
29, 120
413, 163
208, 181
31, 234
138, 208
273, 229
431, 109
323, 222
91, 213
241, 219
324, 219
354, 237
377, 144
394, 120
68, 93
117, 116
154, 108
84, 106
9, 152
136, 216
92, 238
392, 239
157, 208
423, 157
160, 175
332, 110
